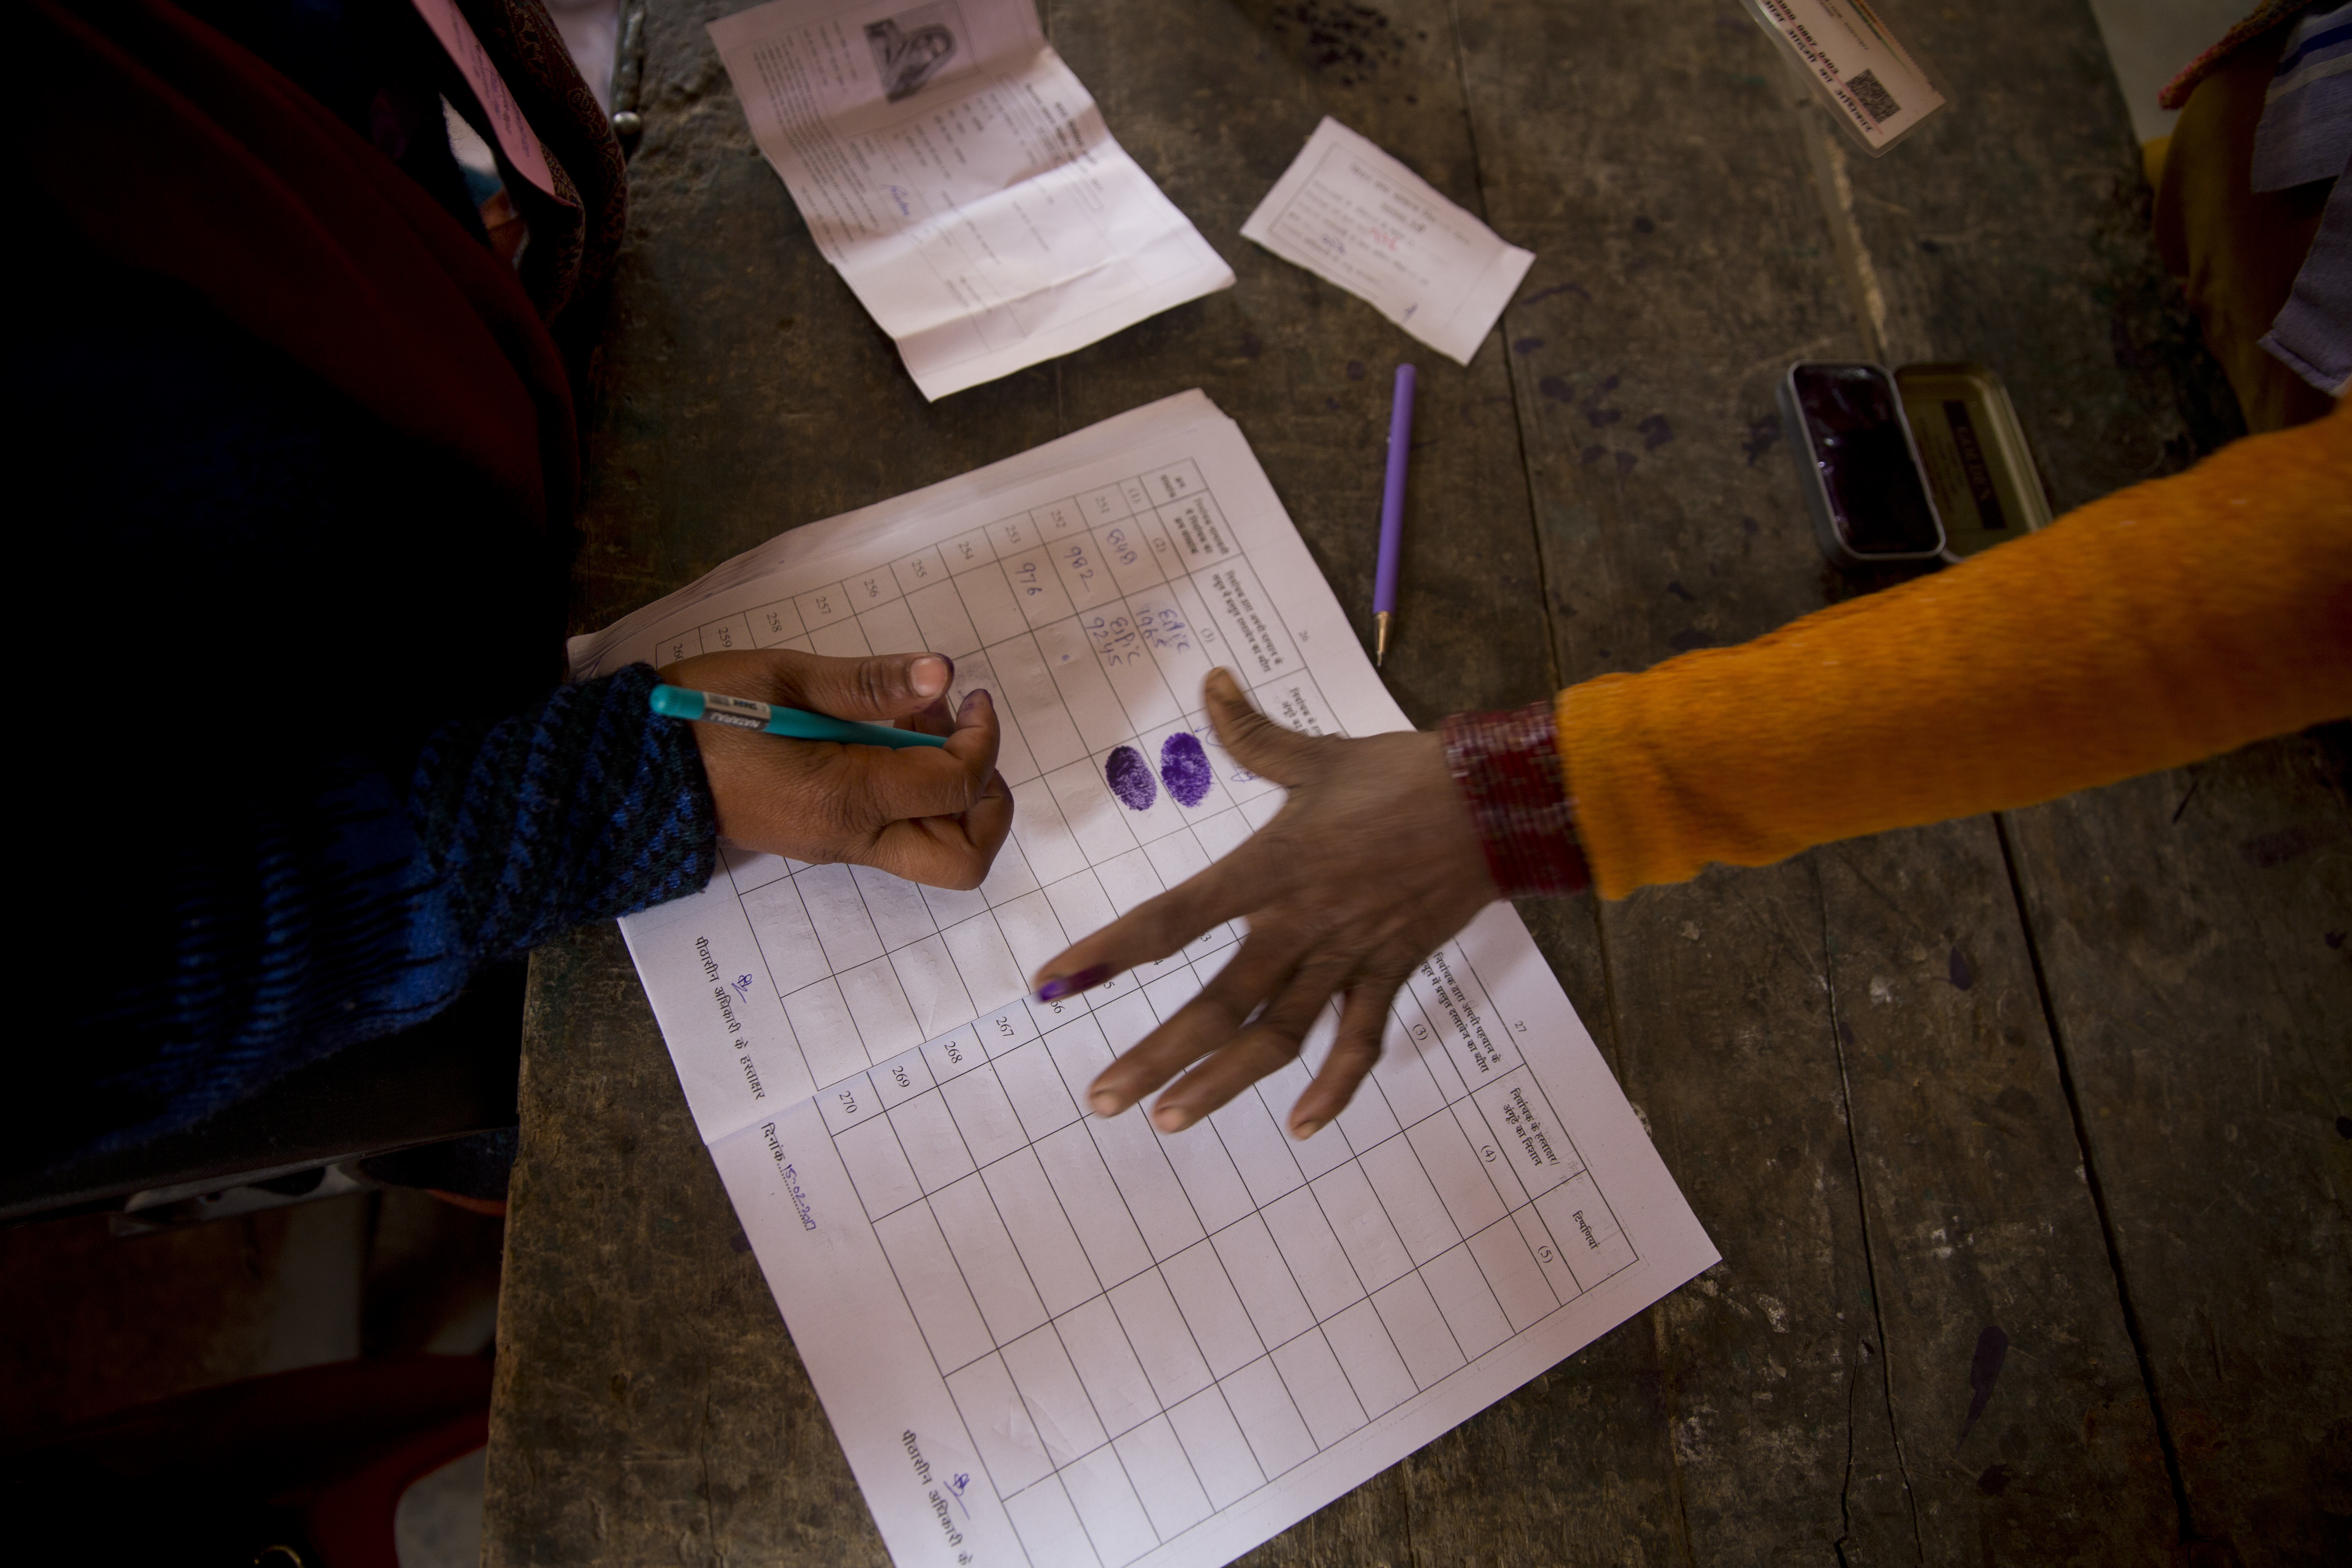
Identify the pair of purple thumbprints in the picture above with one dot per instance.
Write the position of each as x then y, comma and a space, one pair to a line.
1183, 768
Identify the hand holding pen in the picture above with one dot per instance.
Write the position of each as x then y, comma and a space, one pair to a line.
933, 812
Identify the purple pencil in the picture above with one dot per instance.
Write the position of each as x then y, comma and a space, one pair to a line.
1384, 579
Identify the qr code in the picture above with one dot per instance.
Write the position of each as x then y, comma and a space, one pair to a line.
1876, 100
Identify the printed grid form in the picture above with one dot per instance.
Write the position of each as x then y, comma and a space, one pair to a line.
1140, 1330
1092, 621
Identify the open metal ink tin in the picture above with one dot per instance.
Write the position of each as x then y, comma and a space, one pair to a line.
1927, 462
1978, 468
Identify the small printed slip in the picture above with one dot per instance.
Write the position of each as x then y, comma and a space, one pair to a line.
1348, 211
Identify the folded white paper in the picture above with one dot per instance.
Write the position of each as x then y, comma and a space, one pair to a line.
960, 179
1347, 211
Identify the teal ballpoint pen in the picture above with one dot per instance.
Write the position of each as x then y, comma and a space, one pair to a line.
742, 713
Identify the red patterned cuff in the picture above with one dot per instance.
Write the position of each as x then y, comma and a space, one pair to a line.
1507, 765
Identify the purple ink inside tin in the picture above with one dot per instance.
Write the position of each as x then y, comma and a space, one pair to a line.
1184, 768
1130, 777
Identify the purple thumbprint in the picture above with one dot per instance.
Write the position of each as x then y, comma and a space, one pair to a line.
1184, 768
1130, 777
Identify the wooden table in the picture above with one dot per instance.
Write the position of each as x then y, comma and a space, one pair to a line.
2023, 1138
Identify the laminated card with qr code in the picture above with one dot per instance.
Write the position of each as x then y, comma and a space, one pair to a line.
1870, 84
961, 180
1048, 1339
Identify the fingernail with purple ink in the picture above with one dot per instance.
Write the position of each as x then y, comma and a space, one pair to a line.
1071, 985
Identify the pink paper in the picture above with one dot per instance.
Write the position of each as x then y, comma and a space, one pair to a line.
515, 135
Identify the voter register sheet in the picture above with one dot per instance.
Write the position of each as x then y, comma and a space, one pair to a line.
1048, 1339
960, 179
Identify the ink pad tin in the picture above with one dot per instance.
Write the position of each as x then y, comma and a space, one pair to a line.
1926, 462
1973, 451
1863, 480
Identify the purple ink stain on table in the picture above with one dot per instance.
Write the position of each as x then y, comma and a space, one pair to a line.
1130, 777
1184, 768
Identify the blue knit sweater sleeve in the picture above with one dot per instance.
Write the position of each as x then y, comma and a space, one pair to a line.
314, 907
586, 808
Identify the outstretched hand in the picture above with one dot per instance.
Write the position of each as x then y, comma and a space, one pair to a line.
930, 814
1370, 864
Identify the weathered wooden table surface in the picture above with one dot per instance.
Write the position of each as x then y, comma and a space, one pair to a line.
2024, 1139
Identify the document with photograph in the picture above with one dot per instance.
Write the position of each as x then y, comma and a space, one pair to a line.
962, 179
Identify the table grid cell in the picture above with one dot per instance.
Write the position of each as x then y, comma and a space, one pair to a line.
1058, 519
1165, 1477
822, 607
1107, 1366
890, 627
1105, 505
842, 640
954, 1053
924, 569
1085, 572
967, 551
1048, 1243
776, 625
1325, 1400
1125, 547
727, 635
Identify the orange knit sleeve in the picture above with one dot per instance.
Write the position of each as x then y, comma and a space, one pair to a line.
2166, 623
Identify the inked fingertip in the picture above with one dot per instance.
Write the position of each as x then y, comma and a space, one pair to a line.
1086, 979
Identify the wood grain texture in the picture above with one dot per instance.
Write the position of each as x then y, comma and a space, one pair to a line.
2196, 931
1681, 264
2025, 1427
649, 1406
